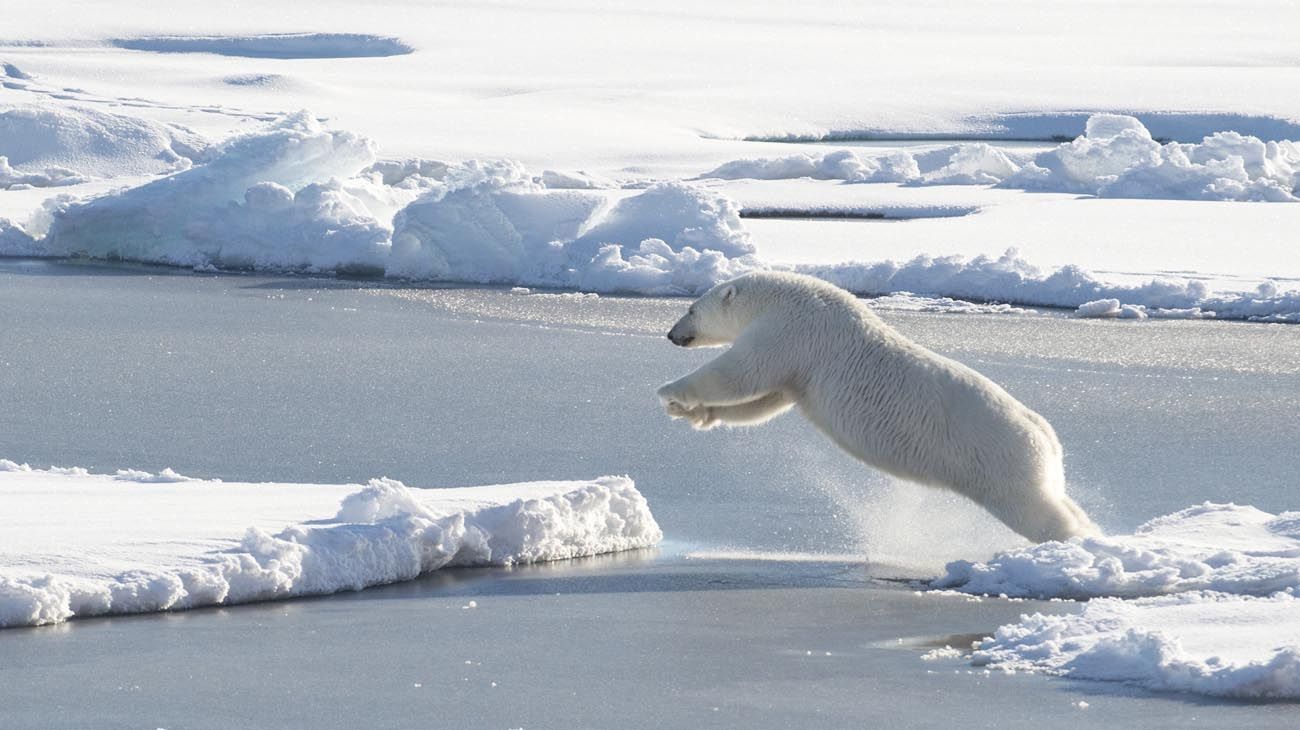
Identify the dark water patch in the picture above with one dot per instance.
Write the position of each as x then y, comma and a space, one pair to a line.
279, 45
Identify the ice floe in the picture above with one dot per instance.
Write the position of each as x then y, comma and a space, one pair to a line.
1204, 642
75, 544
1202, 600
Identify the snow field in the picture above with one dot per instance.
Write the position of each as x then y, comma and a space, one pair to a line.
75, 544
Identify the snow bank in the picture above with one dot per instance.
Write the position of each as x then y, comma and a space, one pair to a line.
1217, 547
74, 544
270, 199
275, 45
298, 196
42, 146
1204, 642
839, 165
491, 223
1009, 278
14, 241
1116, 157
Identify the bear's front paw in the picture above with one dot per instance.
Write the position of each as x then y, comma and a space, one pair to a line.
675, 394
701, 418
677, 410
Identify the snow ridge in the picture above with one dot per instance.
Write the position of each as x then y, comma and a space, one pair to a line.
381, 533
1116, 157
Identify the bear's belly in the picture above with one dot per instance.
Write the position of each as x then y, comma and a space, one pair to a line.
885, 446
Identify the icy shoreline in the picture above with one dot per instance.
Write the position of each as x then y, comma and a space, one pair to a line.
297, 196
76, 544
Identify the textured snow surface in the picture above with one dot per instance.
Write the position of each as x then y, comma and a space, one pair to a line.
1219, 547
1116, 157
44, 146
1010, 278
1203, 642
1202, 600
77, 544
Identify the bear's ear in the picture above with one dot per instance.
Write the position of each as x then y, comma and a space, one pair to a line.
728, 293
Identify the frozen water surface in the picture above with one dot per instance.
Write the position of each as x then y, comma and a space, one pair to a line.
307, 380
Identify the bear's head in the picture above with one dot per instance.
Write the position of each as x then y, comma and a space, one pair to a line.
714, 319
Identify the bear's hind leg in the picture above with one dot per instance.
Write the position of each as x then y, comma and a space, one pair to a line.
1041, 517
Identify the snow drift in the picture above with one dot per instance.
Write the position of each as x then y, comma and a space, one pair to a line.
269, 199
1116, 157
1213, 606
43, 146
74, 544
491, 223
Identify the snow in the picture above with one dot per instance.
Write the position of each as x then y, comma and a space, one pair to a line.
490, 223
1218, 547
298, 195
268, 199
78, 544
1116, 157
1201, 600
1113, 309
44, 146
1203, 642
1010, 278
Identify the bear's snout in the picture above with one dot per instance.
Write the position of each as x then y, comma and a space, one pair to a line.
680, 340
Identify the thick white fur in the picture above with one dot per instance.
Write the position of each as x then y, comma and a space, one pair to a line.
796, 340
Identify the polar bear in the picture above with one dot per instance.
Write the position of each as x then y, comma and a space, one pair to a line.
797, 340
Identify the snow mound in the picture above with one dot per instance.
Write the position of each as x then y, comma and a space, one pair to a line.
491, 223
276, 45
74, 544
1204, 642
14, 241
267, 199
1116, 157
1113, 309
1216, 547
843, 165
42, 146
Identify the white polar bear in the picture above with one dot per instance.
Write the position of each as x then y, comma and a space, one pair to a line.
796, 340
